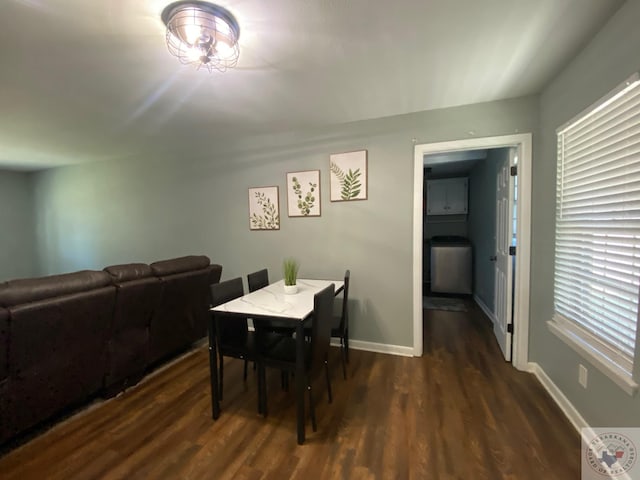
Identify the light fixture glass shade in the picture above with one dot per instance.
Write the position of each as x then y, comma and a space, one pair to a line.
202, 34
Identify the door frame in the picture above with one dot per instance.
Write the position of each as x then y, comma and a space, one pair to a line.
523, 142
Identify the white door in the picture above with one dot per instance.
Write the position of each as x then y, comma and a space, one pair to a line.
503, 264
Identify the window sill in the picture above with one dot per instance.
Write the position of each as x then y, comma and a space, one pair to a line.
599, 361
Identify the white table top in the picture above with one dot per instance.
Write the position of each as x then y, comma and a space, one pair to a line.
271, 301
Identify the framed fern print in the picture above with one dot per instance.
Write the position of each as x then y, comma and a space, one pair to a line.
348, 176
264, 211
303, 193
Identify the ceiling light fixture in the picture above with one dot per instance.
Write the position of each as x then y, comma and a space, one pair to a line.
202, 34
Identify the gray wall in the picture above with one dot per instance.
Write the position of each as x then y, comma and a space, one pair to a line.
17, 245
112, 212
604, 63
482, 223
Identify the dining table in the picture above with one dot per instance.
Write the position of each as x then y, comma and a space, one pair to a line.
273, 303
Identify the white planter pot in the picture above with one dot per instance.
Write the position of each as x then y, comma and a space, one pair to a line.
290, 289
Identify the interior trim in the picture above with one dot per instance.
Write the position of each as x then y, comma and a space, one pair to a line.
582, 347
571, 412
376, 347
485, 309
523, 142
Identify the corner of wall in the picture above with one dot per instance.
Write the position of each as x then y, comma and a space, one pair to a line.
572, 414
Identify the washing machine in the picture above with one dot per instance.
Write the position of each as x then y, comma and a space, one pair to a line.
451, 265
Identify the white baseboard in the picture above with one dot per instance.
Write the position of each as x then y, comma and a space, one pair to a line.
376, 347
485, 309
563, 402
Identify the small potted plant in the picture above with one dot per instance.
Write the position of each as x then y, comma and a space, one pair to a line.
290, 267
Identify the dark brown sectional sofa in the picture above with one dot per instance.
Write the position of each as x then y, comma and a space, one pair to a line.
65, 339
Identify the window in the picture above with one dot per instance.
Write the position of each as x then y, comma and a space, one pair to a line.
597, 243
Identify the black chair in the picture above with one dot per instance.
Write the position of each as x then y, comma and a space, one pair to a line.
340, 325
283, 354
233, 338
256, 281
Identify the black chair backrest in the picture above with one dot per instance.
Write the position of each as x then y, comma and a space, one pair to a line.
258, 280
228, 328
321, 326
344, 319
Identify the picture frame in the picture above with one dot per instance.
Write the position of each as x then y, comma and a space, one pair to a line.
348, 176
303, 193
264, 208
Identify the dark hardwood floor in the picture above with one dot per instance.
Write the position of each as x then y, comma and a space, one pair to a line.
459, 412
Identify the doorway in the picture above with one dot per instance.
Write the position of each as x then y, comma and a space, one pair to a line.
522, 145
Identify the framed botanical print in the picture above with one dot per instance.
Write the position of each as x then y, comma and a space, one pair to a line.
303, 193
348, 176
264, 211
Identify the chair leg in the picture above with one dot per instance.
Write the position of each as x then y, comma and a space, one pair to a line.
326, 371
343, 357
244, 377
312, 409
346, 344
284, 380
221, 376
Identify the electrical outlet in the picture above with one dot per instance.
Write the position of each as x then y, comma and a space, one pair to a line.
582, 375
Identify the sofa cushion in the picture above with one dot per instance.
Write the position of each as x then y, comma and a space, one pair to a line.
17, 292
181, 317
57, 355
180, 265
128, 344
128, 271
215, 272
4, 343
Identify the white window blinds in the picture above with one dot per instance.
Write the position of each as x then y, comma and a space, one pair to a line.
597, 250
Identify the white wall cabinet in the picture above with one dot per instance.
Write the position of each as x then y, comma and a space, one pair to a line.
447, 196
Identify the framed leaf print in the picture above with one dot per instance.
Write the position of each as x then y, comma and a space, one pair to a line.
303, 193
348, 176
264, 211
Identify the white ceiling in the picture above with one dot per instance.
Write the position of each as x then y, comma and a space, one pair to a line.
88, 80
